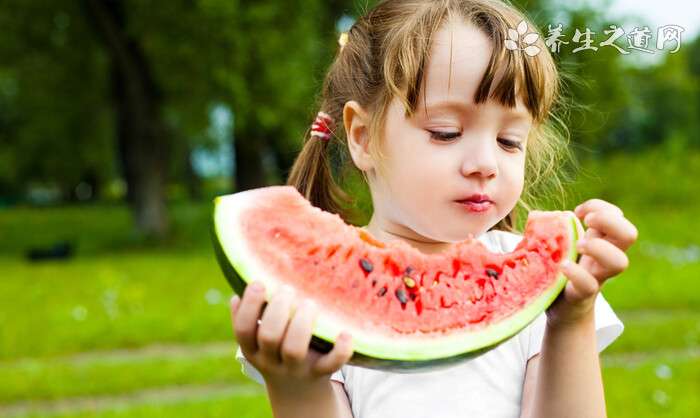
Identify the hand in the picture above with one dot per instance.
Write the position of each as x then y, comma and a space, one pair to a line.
602, 250
279, 346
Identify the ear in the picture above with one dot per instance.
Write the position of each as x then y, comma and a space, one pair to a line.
356, 122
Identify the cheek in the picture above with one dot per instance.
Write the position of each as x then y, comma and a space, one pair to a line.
409, 156
513, 174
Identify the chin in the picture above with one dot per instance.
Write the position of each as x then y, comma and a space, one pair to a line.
460, 233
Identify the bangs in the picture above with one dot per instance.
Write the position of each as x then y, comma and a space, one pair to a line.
509, 75
514, 73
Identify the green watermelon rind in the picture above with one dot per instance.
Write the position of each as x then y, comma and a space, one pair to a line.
375, 350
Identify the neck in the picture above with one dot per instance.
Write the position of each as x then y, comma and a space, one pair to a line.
386, 231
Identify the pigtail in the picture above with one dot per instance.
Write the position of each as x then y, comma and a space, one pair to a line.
312, 171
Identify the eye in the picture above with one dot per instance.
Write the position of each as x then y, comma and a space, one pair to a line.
444, 136
507, 143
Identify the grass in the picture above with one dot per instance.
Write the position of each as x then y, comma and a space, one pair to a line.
105, 373
125, 322
112, 301
663, 387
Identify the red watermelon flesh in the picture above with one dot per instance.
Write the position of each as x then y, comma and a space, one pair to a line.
434, 306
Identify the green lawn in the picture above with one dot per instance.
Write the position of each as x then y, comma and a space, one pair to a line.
132, 329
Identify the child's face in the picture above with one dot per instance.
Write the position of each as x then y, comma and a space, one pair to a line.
426, 176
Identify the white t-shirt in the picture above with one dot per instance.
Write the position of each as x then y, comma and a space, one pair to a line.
487, 386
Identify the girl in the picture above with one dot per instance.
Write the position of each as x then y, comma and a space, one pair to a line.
451, 130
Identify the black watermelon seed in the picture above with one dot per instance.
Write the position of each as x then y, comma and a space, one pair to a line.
408, 270
401, 295
374, 282
492, 273
413, 296
366, 265
382, 291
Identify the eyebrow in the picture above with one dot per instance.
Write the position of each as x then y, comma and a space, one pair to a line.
460, 105
449, 104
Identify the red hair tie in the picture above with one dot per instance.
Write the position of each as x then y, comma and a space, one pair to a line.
322, 126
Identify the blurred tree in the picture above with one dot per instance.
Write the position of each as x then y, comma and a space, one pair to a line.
147, 73
142, 140
594, 80
276, 77
54, 121
665, 106
94, 90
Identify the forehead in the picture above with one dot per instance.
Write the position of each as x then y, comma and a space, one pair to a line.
459, 57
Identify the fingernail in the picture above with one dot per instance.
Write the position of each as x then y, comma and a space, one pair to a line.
234, 300
566, 264
581, 243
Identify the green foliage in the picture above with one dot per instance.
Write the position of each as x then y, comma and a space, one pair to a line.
265, 60
262, 59
52, 81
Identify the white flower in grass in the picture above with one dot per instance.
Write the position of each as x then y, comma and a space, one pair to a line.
663, 371
213, 296
110, 303
660, 397
79, 313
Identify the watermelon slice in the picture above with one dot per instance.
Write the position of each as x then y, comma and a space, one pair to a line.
406, 310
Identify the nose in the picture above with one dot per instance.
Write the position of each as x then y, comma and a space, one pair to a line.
480, 157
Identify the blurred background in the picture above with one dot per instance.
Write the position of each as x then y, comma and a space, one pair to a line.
120, 120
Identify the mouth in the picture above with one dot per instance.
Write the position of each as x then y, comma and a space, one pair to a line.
476, 203
476, 198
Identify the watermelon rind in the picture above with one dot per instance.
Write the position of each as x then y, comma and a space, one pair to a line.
371, 349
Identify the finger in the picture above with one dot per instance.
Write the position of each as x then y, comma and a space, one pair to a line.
616, 229
592, 233
246, 321
594, 205
295, 345
334, 359
586, 261
234, 304
582, 285
274, 323
607, 255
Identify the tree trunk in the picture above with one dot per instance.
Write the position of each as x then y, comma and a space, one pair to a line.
143, 147
192, 181
249, 148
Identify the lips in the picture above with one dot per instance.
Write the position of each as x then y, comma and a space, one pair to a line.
476, 198
477, 203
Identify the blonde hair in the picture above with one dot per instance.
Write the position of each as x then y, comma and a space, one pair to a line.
385, 55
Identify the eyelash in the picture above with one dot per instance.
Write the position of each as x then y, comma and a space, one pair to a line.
447, 136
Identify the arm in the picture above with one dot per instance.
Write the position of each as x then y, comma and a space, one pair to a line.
565, 379
328, 399
297, 378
